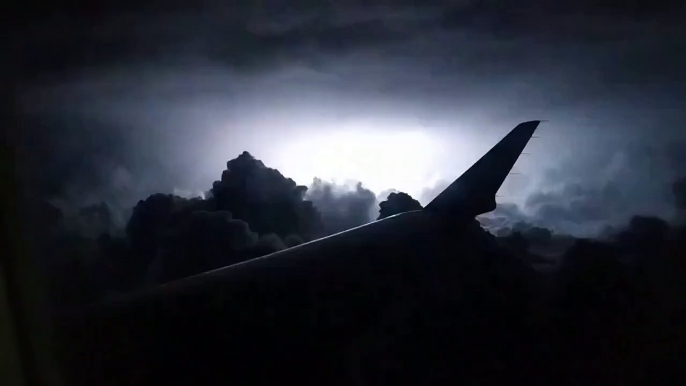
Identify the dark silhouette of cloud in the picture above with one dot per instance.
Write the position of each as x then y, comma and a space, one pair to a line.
178, 237
397, 203
148, 221
267, 244
94, 220
244, 37
576, 205
504, 217
342, 207
292, 240
264, 198
168, 237
203, 241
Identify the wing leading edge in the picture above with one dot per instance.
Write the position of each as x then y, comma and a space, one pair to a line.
473, 193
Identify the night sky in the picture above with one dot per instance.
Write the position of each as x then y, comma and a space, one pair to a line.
122, 101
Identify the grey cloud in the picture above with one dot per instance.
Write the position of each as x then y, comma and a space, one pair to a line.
430, 193
489, 57
585, 195
342, 207
203, 241
397, 203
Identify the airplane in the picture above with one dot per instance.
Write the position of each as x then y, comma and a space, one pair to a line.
366, 305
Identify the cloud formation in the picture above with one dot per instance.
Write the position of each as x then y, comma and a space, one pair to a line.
113, 110
397, 203
342, 207
263, 197
585, 194
200, 242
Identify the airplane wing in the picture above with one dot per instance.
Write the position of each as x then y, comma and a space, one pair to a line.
473, 193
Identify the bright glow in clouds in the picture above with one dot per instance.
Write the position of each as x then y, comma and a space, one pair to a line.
381, 160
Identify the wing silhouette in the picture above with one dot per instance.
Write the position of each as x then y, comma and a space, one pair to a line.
473, 193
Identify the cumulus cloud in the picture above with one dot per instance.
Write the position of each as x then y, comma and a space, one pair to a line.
638, 265
113, 78
397, 203
253, 210
149, 220
200, 242
96, 219
342, 206
264, 198
171, 237
269, 243
586, 194
504, 217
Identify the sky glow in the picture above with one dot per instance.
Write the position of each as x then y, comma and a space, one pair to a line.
403, 160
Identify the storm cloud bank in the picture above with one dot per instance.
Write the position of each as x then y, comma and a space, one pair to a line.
629, 282
342, 207
254, 210
121, 103
118, 105
587, 194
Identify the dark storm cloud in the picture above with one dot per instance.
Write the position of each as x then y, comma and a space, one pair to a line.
592, 190
633, 180
200, 242
342, 207
585, 59
263, 197
81, 160
397, 203
170, 237
646, 253
255, 37
93, 69
576, 204
505, 216
98, 218
252, 211
242, 36
606, 65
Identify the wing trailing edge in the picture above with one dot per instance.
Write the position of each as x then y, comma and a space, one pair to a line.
473, 193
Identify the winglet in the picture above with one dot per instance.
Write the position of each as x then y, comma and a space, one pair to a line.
473, 193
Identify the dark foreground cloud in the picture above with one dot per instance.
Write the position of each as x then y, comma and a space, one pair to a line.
253, 210
200, 242
397, 203
264, 198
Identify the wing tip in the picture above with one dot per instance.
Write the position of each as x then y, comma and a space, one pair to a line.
460, 195
528, 125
